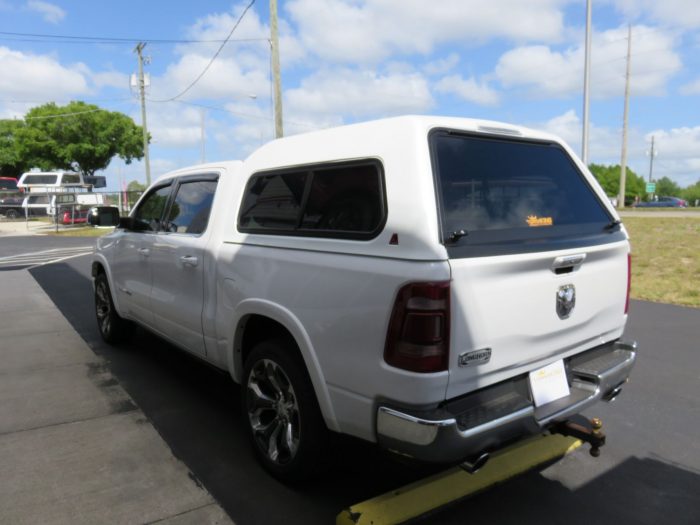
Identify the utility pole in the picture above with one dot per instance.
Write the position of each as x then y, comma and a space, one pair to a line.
652, 154
142, 92
275, 45
586, 85
202, 139
625, 118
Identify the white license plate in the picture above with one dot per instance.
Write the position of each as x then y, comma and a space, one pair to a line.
549, 383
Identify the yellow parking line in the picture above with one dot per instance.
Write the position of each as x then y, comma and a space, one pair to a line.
433, 492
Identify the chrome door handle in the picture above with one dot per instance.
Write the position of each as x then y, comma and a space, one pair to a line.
144, 251
189, 260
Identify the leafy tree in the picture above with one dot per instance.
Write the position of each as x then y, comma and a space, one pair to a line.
691, 193
135, 185
609, 179
11, 162
85, 139
665, 186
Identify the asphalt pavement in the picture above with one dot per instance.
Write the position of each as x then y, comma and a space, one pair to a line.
649, 471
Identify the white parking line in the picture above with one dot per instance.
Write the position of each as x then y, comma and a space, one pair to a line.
41, 258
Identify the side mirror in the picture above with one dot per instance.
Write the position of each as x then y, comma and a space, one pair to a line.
103, 216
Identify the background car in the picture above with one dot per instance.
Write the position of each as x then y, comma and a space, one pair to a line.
663, 202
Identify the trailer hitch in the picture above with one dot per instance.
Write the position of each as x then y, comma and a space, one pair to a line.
586, 430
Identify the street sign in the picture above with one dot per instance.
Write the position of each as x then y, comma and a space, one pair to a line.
651, 187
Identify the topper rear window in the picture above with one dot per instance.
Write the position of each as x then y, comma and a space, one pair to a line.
500, 195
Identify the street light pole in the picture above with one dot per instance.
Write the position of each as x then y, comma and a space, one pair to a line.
142, 93
586, 85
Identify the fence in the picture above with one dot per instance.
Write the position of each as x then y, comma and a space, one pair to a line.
51, 210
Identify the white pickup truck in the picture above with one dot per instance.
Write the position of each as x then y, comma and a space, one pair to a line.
440, 286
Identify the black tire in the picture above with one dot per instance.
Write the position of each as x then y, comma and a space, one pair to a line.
112, 327
11, 214
283, 420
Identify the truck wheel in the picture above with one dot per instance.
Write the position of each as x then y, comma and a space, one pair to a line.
285, 424
113, 328
11, 214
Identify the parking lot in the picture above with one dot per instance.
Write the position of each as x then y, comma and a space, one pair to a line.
649, 472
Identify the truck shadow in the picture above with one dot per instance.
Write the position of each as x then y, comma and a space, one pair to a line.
196, 409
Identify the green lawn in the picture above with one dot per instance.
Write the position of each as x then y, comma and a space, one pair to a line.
665, 259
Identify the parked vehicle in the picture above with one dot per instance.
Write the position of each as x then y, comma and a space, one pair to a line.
36, 205
73, 215
11, 207
79, 200
442, 287
663, 202
8, 184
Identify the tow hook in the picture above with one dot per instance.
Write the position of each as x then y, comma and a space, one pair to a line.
585, 430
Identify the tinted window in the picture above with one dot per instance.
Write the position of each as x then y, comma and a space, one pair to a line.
501, 190
189, 212
273, 202
344, 199
8, 184
339, 201
38, 199
69, 178
150, 210
40, 179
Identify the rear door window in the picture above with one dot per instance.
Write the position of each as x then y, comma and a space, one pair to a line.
506, 194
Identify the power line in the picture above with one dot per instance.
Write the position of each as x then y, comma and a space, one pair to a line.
59, 115
53, 38
218, 51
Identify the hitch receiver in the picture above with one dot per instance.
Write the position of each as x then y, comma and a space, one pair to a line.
583, 429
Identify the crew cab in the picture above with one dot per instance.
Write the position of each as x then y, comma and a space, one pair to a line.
439, 286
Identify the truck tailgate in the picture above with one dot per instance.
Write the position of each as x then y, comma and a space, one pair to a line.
508, 305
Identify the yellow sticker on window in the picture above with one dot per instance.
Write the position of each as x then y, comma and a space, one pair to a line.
534, 221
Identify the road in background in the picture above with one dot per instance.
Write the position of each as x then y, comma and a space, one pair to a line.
649, 472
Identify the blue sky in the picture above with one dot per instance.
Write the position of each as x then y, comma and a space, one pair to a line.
345, 61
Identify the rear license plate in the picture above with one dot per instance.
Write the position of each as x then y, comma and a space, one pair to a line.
549, 383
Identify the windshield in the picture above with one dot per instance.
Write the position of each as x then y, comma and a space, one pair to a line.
497, 192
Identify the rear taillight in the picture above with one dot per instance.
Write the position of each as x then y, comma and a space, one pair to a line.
629, 281
419, 330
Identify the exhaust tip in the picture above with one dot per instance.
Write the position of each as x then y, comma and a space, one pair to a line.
473, 465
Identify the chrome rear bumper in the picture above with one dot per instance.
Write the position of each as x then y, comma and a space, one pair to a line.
498, 415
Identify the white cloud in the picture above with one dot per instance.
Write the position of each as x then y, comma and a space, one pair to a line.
39, 77
678, 148
362, 32
470, 90
442, 66
691, 88
173, 125
682, 13
560, 73
110, 79
359, 94
49, 12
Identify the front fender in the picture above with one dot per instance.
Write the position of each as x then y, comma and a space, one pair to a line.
287, 319
99, 258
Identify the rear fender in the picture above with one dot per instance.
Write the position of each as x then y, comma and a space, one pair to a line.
289, 321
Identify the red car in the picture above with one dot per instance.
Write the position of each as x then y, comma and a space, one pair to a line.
73, 217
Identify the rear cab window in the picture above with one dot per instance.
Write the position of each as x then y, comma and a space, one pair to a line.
343, 201
502, 195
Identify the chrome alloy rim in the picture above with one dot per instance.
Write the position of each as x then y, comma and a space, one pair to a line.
273, 411
103, 307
